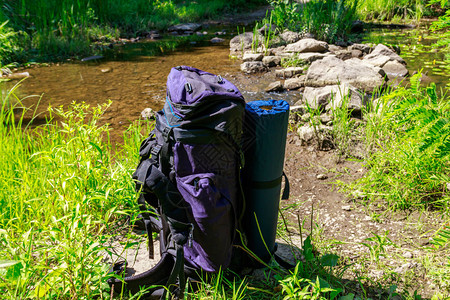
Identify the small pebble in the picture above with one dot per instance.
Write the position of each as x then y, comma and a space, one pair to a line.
322, 177
346, 207
407, 255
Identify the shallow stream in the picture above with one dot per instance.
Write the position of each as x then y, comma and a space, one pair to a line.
134, 78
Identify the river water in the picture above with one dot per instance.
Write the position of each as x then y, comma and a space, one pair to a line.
134, 78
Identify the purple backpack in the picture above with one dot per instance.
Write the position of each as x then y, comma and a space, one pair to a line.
189, 175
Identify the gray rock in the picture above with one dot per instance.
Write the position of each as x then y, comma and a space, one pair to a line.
377, 61
298, 109
248, 56
322, 176
94, 57
306, 134
148, 114
253, 67
334, 48
356, 53
346, 208
276, 86
309, 135
290, 36
217, 40
185, 27
288, 72
106, 70
307, 45
271, 61
394, 69
309, 57
277, 51
381, 49
332, 96
326, 118
294, 83
407, 255
364, 48
244, 41
267, 28
332, 71
405, 267
343, 54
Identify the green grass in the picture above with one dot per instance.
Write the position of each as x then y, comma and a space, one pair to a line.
328, 20
62, 190
409, 157
56, 29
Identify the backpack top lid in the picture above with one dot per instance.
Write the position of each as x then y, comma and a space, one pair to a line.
191, 86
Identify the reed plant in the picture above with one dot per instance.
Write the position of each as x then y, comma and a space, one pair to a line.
328, 20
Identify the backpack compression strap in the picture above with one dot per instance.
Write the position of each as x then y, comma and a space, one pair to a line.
155, 187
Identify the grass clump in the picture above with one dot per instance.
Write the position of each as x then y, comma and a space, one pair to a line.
328, 20
409, 162
62, 191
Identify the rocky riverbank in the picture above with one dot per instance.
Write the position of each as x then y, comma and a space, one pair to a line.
328, 75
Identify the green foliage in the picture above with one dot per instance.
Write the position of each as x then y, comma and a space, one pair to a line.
443, 25
62, 192
301, 284
328, 20
8, 43
409, 165
377, 245
388, 9
293, 61
72, 28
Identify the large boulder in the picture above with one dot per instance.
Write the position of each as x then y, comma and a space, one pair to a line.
333, 96
307, 45
381, 49
332, 71
250, 67
244, 41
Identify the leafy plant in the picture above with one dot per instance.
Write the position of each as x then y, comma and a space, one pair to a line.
377, 245
410, 164
299, 284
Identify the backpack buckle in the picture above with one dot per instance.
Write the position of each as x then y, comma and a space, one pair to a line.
156, 149
188, 87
